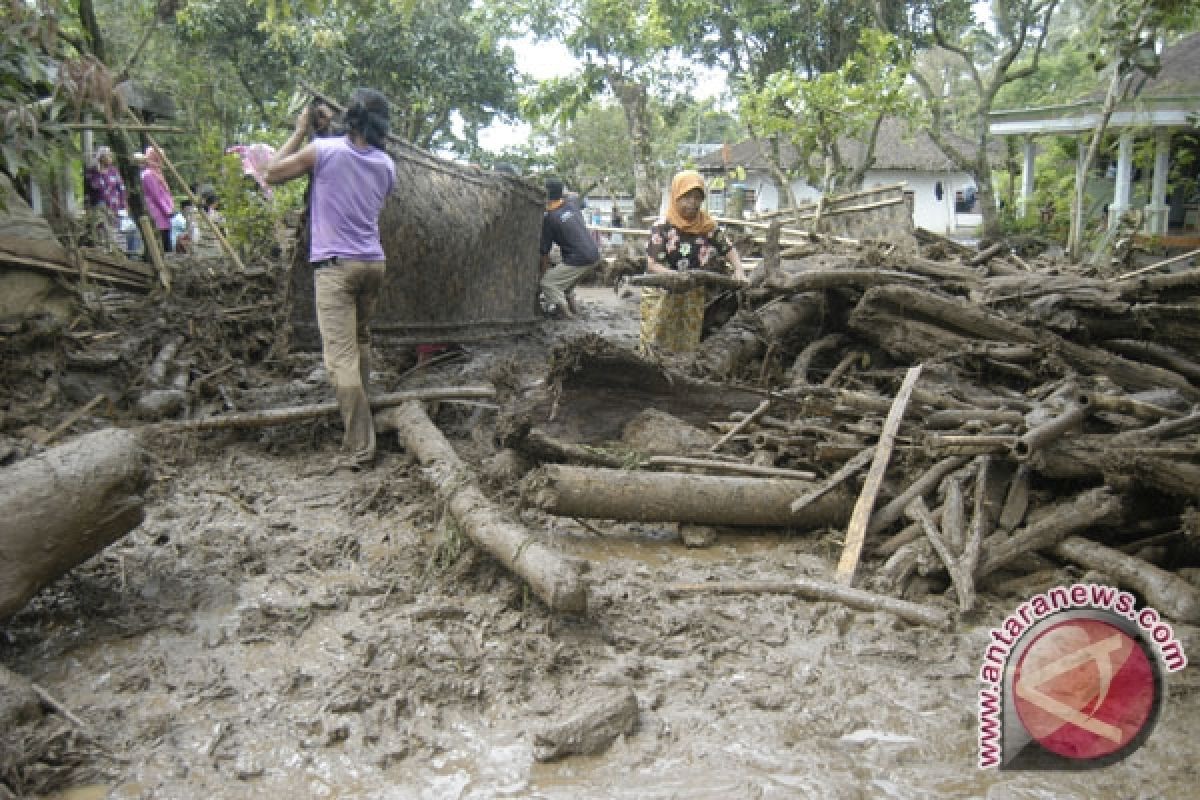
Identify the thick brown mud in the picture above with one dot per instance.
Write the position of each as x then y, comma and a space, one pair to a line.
272, 631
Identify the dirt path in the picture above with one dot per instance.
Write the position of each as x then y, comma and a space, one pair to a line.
271, 631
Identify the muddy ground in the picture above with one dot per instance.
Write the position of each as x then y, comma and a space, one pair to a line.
272, 631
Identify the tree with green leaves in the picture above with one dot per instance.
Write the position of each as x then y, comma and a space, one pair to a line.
770, 49
1125, 33
819, 114
990, 57
623, 47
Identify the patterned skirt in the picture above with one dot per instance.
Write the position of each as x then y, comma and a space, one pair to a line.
671, 321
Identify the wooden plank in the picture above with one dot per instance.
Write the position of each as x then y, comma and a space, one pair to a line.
856, 531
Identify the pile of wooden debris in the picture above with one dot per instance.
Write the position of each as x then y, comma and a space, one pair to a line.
952, 418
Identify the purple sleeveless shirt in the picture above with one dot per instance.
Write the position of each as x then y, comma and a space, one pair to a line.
349, 188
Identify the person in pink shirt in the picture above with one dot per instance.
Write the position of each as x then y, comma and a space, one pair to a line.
159, 203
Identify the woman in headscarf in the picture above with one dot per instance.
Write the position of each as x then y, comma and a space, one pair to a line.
159, 203
688, 238
104, 192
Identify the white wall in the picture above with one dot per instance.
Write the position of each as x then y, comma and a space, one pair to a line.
928, 211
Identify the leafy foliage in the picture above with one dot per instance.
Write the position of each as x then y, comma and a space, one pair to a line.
815, 114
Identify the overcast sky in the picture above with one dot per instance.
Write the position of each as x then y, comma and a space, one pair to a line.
545, 60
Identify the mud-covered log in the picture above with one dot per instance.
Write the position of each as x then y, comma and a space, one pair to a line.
811, 352
928, 481
822, 279
62, 507
267, 417
686, 281
1092, 507
1165, 468
743, 338
1165, 591
1038, 437
551, 577
821, 591
680, 497
887, 312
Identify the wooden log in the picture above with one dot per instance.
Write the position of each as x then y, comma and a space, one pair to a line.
1016, 500
964, 445
954, 523
1037, 438
686, 281
678, 497
811, 352
1132, 407
986, 255
1123, 462
60, 508
1156, 266
921, 486
743, 338
1091, 507
1165, 591
265, 418
727, 467
824, 279
856, 532
1153, 353
953, 418
851, 467
552, 578
744, 423
541, 446
958, 320
980, 519
822, 591
152, 243
964, 583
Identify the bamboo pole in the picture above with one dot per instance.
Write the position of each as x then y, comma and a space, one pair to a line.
212, 226
856, 532
265, 418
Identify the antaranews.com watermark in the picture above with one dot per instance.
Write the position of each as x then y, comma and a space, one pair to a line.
1073, 679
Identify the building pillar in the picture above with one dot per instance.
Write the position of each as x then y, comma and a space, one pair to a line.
1122, 191
1157, 210
1027, 170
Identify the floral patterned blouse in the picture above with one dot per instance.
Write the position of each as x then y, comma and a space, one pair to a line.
104, 186
681, 252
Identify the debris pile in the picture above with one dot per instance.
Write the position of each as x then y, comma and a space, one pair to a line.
954, 417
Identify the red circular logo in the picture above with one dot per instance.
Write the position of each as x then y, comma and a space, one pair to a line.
1084, 688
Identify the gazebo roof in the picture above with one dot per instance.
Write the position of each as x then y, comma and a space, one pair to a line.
1169, 99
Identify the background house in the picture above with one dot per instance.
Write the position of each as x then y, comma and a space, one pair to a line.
1160, 111
943, 196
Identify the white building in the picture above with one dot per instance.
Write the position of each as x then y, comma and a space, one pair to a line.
943, 196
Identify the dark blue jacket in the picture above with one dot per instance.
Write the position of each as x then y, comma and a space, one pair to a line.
565, 227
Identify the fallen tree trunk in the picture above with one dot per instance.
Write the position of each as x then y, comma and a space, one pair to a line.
680, 497
60, 508
822, 590
744, 337
1165, 591
281, 416
1092, 507
555, 580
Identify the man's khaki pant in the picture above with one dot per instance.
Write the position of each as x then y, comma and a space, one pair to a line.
560, 279
346, 293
